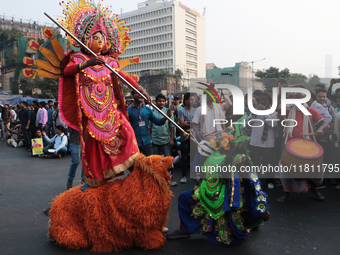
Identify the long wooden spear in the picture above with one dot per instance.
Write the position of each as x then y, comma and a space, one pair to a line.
116, 73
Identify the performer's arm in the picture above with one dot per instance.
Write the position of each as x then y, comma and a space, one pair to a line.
72, 68
136, 85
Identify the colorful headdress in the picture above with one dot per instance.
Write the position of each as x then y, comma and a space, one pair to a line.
83, 18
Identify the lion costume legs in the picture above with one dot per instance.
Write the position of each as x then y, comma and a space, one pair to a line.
154, 239
71, 237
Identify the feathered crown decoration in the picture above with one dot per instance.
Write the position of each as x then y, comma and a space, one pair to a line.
83, 18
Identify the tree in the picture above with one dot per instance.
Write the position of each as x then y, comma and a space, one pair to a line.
49, 87
11, 58
179, 73
178, 76
269, 76
164, 72
312, 81
9, 34
297, 78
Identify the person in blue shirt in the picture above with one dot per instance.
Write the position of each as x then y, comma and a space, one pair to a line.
50, 129
60, 143
140, 115
162, 136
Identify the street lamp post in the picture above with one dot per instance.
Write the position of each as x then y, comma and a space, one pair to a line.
252, 70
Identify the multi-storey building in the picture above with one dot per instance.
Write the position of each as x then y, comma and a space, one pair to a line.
241, 75
29, 28
166, 35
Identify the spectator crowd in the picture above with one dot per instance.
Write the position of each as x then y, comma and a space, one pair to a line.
156, 135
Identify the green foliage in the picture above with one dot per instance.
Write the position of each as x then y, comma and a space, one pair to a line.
269, 76
49, 87
297, 78
312, 81
179, 73
9, 34
164, 72
6, 36
11, 58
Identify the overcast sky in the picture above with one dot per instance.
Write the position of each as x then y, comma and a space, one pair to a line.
294, 34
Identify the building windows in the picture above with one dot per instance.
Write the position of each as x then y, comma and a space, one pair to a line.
190, 25
150, 31
156, 60
191, 41
191, 57
190, 17
192, 73
191, 65
190, 33
191, 49
152, 36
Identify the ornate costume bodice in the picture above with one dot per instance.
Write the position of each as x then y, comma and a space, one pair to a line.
97, 99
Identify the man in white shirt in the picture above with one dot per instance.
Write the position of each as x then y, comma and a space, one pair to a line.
60, 143
205, 123
37, 117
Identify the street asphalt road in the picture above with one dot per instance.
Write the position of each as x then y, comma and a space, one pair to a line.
302, 225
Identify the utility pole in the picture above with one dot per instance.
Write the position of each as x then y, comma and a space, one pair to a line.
252, 70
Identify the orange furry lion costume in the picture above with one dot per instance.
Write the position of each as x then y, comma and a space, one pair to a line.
117, 215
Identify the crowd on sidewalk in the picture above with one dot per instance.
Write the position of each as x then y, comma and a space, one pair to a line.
156, 135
